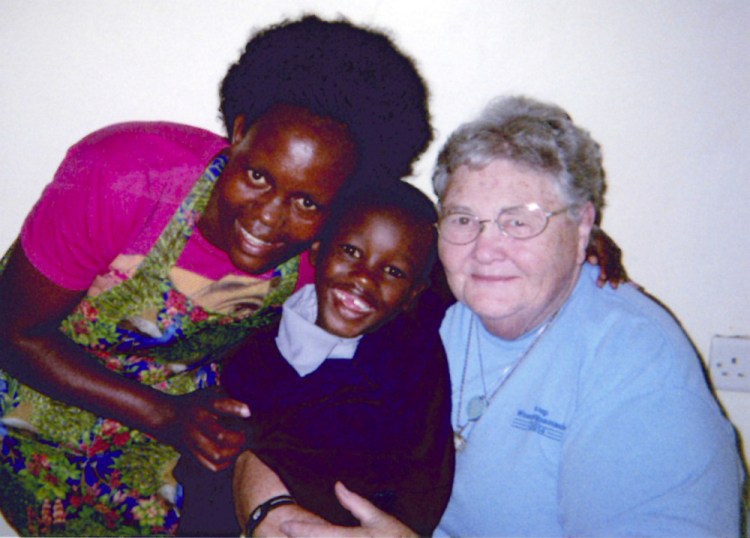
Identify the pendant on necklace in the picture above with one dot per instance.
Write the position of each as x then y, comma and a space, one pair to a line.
476, 407
459, 441
474, 410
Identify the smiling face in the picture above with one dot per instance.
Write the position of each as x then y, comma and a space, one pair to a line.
370, 269
276, 190
512, 284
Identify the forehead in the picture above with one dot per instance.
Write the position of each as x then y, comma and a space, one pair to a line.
379, 220
502, 183
390, 229
287, 120
303, 150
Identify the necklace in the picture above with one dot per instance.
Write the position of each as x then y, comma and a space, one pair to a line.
476, 407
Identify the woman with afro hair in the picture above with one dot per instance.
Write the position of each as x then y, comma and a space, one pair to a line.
156, 247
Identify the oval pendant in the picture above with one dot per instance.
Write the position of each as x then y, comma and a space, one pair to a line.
459, 441
475, 408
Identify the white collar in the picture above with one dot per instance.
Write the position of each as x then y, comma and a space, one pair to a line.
303, 344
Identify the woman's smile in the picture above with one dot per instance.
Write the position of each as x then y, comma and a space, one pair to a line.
252, 244
272, 198
490, 279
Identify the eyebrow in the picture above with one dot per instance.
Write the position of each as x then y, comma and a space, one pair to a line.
455, 208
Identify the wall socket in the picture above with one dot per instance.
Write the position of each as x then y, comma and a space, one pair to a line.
729, 363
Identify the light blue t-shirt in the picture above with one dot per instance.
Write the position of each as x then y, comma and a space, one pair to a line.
607, 428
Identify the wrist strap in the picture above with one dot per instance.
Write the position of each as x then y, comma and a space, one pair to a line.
262, 510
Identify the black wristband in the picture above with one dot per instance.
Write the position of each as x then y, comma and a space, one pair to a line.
262, 510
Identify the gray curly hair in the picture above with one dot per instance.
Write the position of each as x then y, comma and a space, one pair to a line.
529, 132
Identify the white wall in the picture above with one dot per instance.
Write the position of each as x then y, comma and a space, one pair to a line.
663, 85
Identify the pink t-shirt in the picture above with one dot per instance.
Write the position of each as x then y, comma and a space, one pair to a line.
113, 194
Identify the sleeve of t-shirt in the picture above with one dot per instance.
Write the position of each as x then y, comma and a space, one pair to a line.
107, 189
80, 221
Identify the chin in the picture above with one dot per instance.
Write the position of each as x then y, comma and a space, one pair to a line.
251, 264
489, 309
347, 332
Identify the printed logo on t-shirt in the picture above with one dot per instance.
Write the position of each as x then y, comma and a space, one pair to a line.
537, 421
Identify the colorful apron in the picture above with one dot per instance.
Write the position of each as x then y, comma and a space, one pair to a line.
64, 471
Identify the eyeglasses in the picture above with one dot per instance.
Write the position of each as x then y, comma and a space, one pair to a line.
519, 222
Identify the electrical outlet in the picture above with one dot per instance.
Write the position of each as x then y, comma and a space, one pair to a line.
729, 363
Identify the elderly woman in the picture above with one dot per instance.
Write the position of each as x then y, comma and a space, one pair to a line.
159, 245
577, 410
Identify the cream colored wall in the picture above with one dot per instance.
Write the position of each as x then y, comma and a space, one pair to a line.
662, 84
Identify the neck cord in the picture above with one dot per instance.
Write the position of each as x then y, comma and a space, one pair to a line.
478, 405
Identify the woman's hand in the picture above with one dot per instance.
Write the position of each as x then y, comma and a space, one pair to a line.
207, 425
373, 521
273, 523
605, 253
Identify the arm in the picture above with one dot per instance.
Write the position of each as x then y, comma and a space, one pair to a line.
650, 451
373, 522
605, 253
39, 355
253, 484
663, 466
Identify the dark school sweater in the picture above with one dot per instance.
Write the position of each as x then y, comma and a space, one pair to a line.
379, 422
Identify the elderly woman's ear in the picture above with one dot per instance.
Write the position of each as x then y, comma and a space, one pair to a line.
586, 225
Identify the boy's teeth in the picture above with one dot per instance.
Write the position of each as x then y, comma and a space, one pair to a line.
359, 303
352, 301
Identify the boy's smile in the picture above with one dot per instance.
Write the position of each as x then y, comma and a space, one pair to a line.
370, 270
352, 301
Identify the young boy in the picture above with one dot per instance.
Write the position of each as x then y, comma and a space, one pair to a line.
343, 388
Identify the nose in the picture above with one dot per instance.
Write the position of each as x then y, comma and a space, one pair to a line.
491, 244
272, 212
364, 275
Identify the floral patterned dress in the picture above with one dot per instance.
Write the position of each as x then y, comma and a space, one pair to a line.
66, 472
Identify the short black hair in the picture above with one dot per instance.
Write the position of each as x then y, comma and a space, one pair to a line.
349, 73
398, 195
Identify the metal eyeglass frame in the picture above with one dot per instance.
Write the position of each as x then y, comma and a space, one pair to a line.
533, 206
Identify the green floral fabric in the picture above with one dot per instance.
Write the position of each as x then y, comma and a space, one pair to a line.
66, 472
